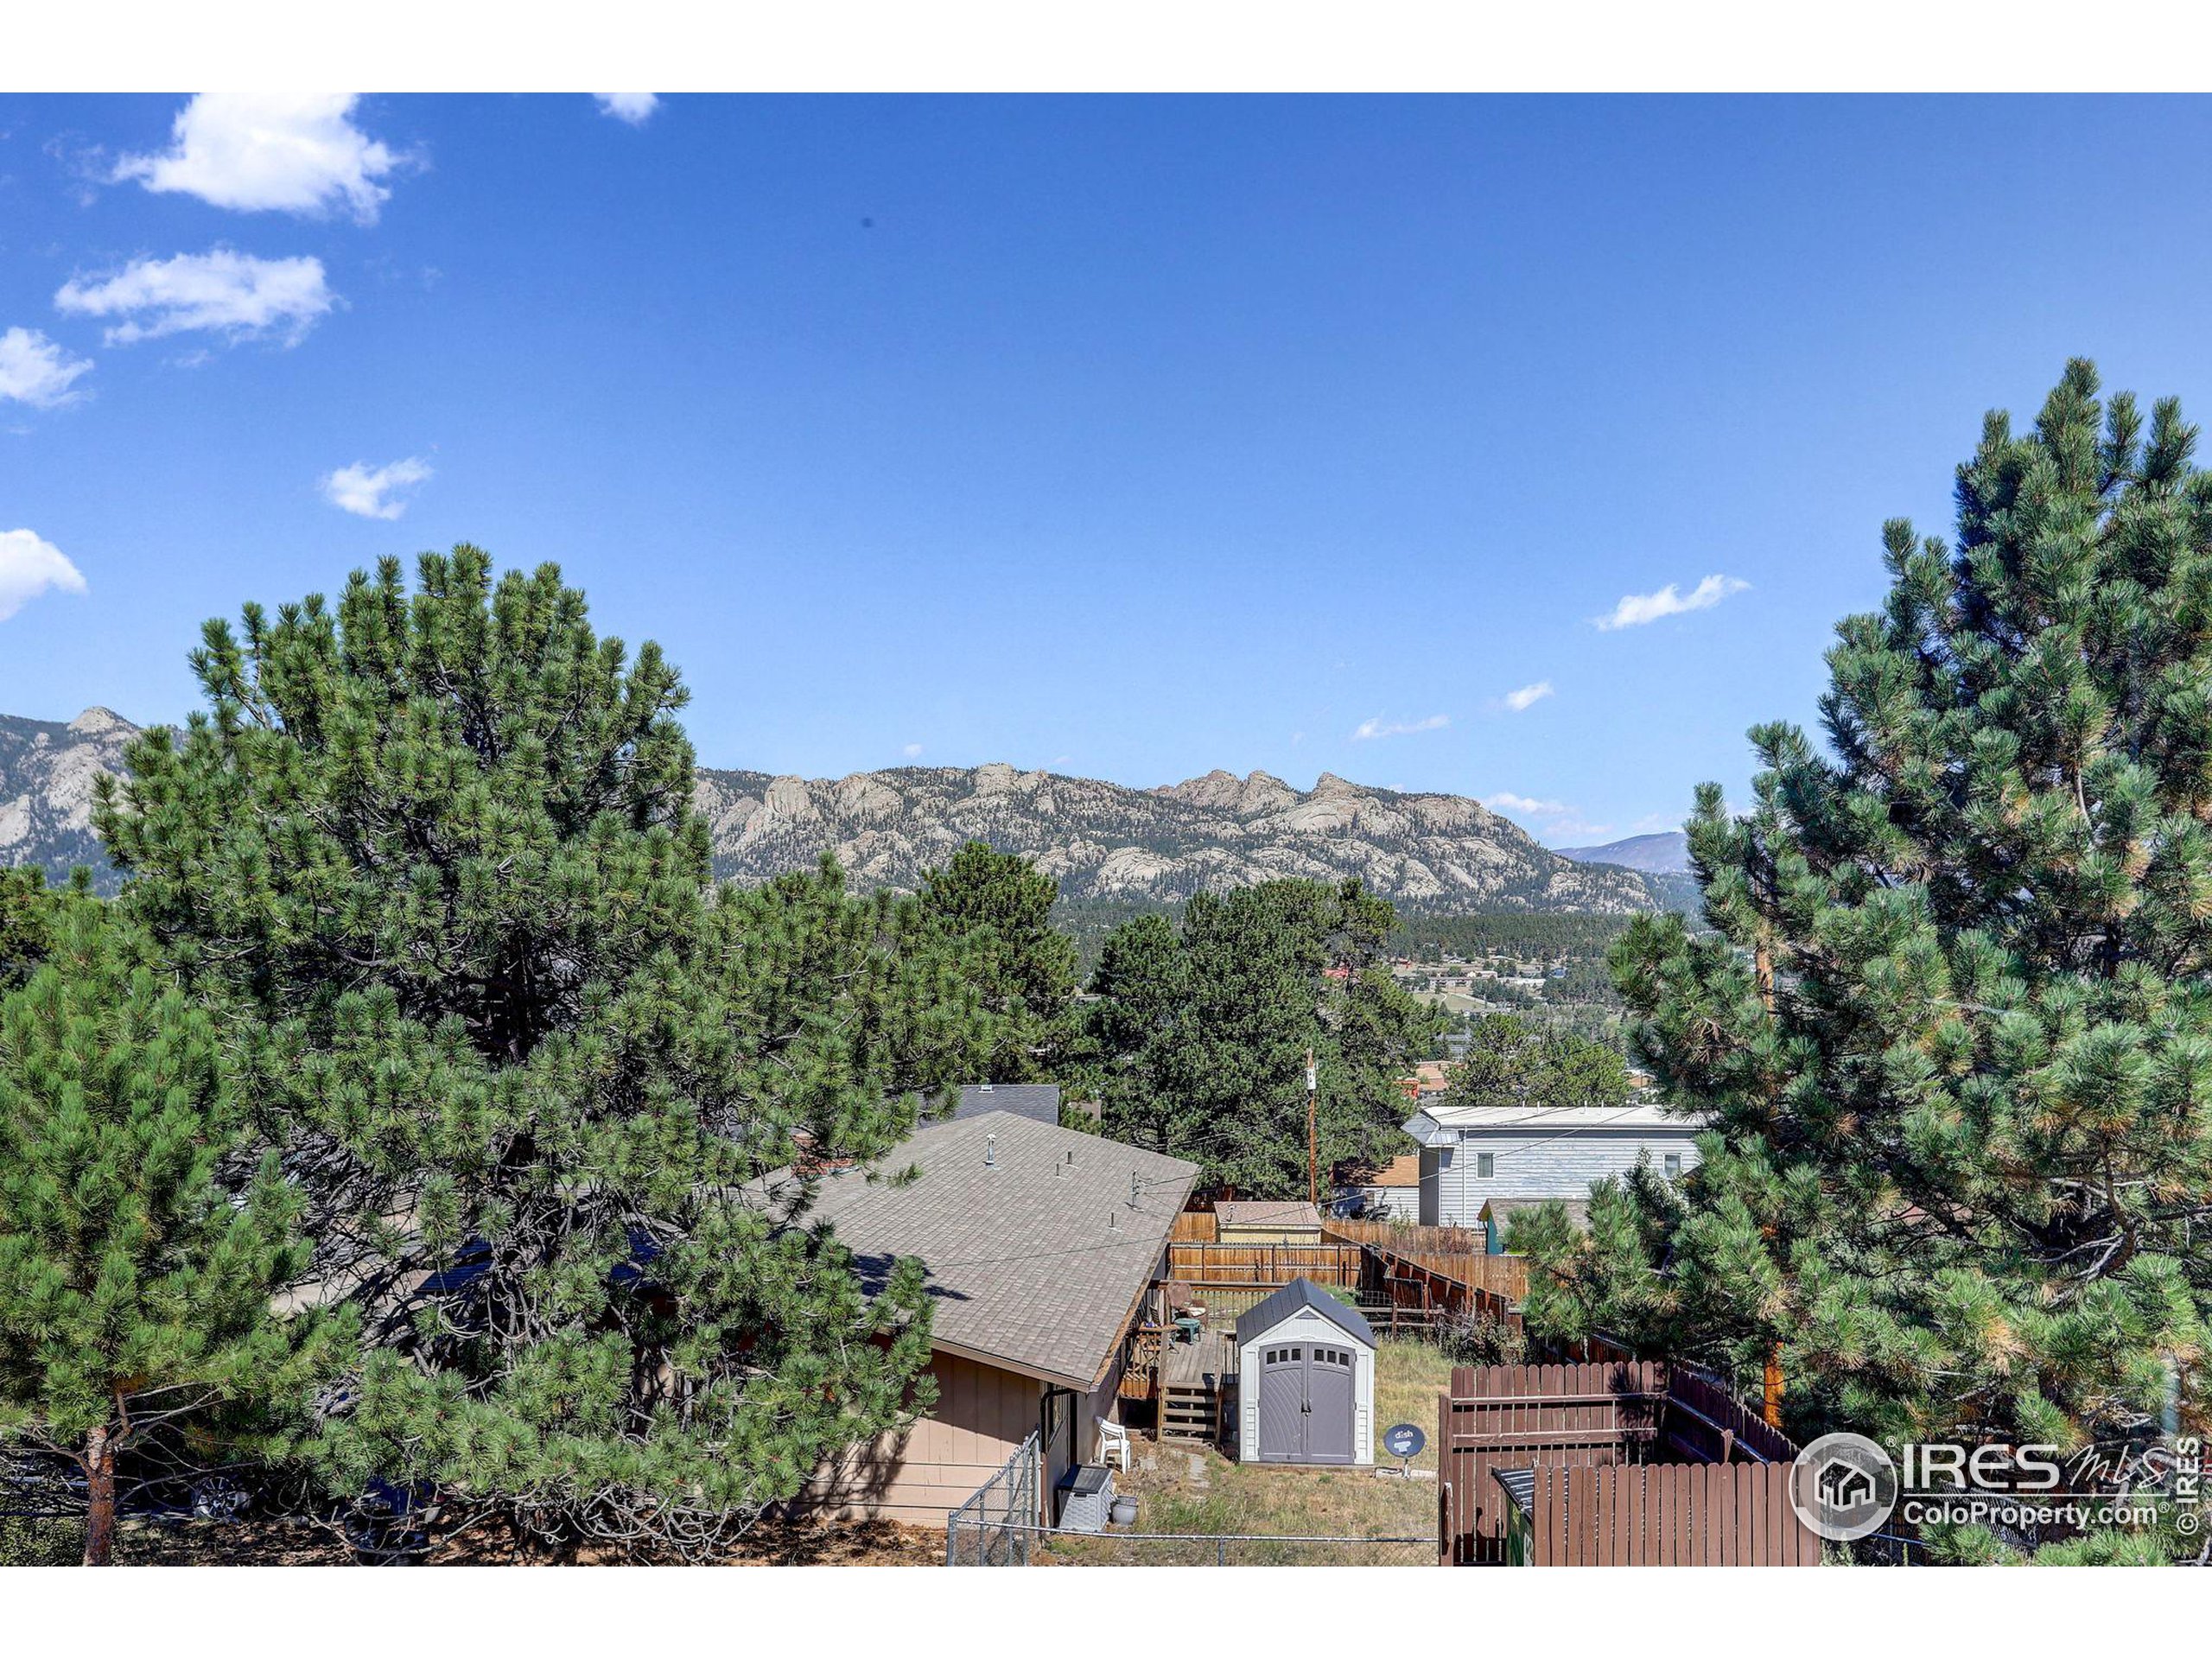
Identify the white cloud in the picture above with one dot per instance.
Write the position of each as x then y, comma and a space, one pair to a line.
30, 566
911, 750
1380, 728
35, 371
1528, 696
259, 152
366, 492
634, 107
1506, 801
232, 294
1637, 609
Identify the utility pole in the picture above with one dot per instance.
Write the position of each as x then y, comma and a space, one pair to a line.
1312, 1169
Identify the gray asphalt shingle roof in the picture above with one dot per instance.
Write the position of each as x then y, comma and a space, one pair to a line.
1024, 1268
1266, 1212
1295, 1298
1039, 1101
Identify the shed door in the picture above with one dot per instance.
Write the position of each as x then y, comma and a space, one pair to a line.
1329, 1404
1282, 1402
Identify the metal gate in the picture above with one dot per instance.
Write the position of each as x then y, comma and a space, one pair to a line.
994, 1528
1307, 1403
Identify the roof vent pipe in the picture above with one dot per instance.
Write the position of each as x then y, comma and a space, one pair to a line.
991, 1152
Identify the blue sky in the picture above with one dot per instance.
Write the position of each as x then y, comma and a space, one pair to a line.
1130, 438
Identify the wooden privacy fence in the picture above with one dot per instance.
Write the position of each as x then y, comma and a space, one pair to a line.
1405, 1282
1666, 1515
1192, 1227
1584, 1415
1513, 1417
1707, 1421
1402, 1237
1218, 1265
1501, 1276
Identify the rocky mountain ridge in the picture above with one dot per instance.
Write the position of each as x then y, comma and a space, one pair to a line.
1101, 841
47, 769
1667, 852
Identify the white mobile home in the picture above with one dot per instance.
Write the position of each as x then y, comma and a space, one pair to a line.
1470, 1155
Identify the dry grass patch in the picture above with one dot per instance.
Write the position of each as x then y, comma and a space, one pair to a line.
1182, 1487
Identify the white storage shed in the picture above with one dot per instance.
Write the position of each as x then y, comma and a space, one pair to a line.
1304, 1380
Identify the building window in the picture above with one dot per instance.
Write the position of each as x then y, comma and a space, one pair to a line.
1485, 1164
1673, 1165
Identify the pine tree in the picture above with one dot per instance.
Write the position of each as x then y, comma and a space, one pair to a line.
1953, 1025
1511, 1062
998, 906
1202, 1036
438, 853
1136, 1027
139, 1246
25, 902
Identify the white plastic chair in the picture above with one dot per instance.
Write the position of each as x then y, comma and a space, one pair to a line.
1113, 1442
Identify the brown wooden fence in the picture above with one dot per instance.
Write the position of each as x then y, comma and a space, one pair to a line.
1401, 1236
1588, 1415
1667, 1515
1501, 1276
1707, 1421
1204, 1265
1424, 1283
1192, 1227
1514, 1416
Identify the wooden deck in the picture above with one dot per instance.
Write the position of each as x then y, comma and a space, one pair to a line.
1200, 1365
1196, 1381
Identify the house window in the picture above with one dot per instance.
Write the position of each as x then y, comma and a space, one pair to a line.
1485, 1164
1673, 1165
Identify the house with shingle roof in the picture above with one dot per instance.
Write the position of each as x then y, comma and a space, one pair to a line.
1477, 1155
1040, 1244
1040, 1101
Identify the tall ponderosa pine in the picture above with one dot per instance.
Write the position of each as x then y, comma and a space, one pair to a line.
1200, 1037
1954, 1024
998, 906
1510, 1061
140, 1244
439, 852
25, 904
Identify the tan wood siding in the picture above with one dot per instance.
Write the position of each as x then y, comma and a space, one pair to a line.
982, 1416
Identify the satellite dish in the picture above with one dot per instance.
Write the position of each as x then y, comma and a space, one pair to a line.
1403, 1441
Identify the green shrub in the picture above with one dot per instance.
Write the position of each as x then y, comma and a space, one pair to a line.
43, 1541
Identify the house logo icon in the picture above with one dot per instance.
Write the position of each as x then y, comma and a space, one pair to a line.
1843, 1486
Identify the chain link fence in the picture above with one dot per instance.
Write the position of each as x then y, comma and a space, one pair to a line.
997, 1525
1119, 1549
